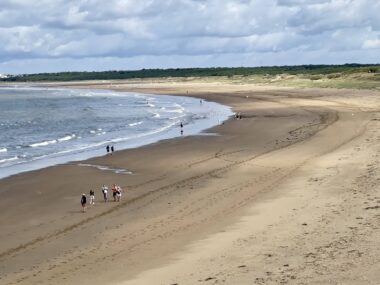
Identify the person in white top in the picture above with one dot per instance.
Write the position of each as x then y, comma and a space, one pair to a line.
92, 197
105, 193
118, 193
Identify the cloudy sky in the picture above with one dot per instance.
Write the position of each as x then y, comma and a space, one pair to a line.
65, 35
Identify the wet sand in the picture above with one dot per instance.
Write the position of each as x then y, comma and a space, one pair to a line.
287, 195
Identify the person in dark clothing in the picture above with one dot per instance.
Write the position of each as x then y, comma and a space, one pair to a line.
114, 192
108, 149
112, 149
83, 201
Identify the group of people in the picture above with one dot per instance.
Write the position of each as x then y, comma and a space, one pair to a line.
116, 194
110, 149
238, 116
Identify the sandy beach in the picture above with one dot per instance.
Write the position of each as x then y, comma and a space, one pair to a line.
289, 194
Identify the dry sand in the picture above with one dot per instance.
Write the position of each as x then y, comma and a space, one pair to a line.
287, 195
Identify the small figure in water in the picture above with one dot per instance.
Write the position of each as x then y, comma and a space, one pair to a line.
112, 149
83, 202
108, 149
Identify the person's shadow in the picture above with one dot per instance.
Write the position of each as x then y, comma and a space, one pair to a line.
75, 211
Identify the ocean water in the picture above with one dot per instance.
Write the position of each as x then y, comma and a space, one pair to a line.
40, 127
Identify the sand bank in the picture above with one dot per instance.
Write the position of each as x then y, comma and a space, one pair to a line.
289, 194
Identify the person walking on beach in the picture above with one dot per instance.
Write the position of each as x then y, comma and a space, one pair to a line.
105, 193
118, 193
108, 149
114, 192
92, 197
112, 149
83, 202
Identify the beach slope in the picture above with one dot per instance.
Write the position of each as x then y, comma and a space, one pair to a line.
286, 195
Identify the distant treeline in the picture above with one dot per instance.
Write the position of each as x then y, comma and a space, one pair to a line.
197, 72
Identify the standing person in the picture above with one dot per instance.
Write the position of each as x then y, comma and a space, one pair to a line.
105, 193
112, 149
92, 197
83, 202
114, 192
118, 193
108, 149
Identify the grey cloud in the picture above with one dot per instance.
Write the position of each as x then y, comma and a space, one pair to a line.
129, 29
335, 15
301, 2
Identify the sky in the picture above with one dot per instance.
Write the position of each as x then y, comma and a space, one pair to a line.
93, 35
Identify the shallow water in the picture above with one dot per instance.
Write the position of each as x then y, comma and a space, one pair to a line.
45, 126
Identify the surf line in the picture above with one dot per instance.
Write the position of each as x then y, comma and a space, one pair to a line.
106, 168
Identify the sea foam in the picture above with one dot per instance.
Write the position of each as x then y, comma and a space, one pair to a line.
66, 138
8, 159
44, 143
135, 124
109, 118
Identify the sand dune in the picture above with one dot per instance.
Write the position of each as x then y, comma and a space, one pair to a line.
287, 195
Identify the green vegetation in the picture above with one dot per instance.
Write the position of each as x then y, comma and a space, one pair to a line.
357, 76
315, 71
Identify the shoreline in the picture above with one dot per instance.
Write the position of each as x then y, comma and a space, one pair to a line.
219, 112
274, 198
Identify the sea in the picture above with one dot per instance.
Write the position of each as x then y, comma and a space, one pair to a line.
41, 127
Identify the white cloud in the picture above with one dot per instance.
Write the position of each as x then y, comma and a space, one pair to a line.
372, 44
126, 29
